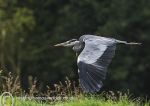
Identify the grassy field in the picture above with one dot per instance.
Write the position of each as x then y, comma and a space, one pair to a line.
76, 96
84, 101
102, 102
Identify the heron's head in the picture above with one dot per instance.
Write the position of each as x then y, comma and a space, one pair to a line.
68, 43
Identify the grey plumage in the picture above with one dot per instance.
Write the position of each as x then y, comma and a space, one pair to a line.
93, 61
94, 55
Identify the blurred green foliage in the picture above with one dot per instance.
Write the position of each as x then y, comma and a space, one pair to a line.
29, 28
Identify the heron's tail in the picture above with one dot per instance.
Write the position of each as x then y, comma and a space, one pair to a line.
128, 43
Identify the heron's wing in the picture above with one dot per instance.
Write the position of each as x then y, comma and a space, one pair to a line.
93, 61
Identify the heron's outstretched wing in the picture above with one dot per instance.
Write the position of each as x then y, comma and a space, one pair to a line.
93, 61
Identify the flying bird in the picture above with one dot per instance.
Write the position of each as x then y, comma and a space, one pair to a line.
94, 55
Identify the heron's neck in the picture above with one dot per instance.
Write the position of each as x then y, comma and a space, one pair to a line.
78, 47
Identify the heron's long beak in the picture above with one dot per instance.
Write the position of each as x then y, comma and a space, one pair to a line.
61, 44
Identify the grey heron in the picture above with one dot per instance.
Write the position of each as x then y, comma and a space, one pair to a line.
94, 55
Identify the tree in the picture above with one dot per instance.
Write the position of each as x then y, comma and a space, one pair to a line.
15, 23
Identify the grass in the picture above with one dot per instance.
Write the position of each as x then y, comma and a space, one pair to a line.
30, 103
84, 101
11, 84
92, 101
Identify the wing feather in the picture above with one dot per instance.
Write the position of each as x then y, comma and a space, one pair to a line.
94, 60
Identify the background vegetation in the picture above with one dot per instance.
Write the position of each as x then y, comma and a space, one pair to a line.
29, 28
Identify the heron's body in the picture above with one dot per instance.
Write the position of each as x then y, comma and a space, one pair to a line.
93, 60
78, 47
94, 55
